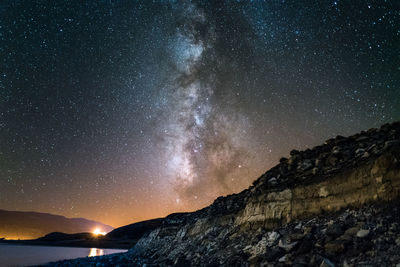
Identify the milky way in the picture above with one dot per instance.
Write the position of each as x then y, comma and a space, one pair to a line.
203, 154
123, 111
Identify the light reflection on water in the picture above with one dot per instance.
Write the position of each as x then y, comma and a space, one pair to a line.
96, 252
10, 255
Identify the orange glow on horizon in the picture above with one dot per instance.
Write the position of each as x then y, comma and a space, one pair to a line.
18, 237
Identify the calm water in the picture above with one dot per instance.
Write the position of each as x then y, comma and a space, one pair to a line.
16, 255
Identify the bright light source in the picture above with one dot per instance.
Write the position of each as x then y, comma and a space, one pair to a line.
98, 231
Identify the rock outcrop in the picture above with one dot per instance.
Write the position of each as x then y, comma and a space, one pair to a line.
343, 173
334, 204
134, 231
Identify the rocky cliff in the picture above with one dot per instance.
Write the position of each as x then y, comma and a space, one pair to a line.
238, 229
335, 204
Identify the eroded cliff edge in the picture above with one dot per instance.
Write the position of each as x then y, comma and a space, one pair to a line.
334, 205
343, 173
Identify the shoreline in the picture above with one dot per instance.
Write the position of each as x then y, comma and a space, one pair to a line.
73, 243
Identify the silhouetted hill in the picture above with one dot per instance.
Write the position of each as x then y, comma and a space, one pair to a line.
57, 236
30, 225
134, 231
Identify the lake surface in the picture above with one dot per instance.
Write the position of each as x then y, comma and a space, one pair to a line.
19, 255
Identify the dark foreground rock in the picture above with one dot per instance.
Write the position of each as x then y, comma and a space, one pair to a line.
369, 236
333, 205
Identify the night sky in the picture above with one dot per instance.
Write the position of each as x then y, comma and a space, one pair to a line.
121, 111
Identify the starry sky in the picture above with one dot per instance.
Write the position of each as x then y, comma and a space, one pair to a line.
121, 111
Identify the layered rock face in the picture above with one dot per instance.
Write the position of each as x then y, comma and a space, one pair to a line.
335, 204
241, 229
371, 175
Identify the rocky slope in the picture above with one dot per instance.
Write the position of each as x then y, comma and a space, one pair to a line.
335, 204
134, 231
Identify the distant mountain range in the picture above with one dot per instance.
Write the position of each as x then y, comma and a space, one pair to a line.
30, 225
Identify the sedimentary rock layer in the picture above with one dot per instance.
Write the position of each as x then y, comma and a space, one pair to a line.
345, 172
334, 204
